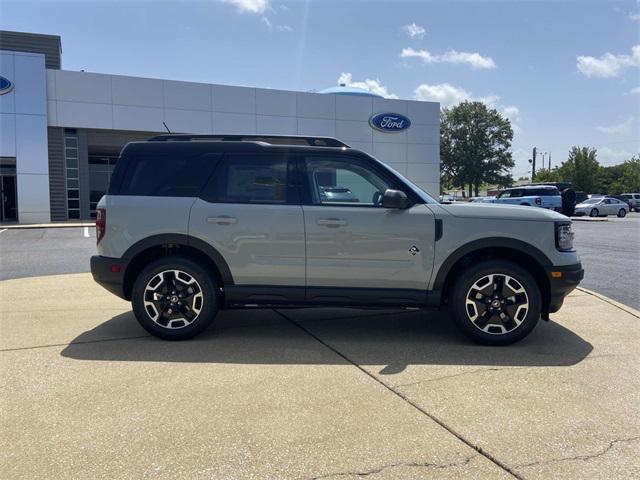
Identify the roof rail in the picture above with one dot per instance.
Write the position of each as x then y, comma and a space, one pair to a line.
272, 139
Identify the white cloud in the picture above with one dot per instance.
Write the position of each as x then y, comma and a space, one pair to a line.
371, 85
448, 95
611, 156
250, 6
620, 128
275, 28
414, 31
475, 60
635, 91
512, 113
608, 65
444, 93
635, 17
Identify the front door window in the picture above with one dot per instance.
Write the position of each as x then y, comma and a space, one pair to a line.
339, 182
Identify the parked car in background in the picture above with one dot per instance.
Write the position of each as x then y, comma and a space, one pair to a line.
545, 196
567, 194
602, 206
634, 200
622, 199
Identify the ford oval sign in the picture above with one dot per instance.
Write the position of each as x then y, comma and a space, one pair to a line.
5, 85
389, 122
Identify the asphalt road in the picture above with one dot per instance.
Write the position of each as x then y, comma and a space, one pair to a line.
610, 253
45, 251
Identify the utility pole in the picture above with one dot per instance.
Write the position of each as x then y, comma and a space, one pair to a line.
533, 165
549, 161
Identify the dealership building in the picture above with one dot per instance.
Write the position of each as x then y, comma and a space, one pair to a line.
61, 131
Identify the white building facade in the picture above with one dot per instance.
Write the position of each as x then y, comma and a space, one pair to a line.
62, 130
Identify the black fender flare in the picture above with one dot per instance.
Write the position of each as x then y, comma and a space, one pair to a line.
186, 240
490, 242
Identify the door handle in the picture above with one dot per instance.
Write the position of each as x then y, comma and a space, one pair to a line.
332, 222
222, 220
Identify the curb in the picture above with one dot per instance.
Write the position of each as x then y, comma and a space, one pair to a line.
610, 301
27, 226
589, 219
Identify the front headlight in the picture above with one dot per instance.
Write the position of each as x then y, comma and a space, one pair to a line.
564, 237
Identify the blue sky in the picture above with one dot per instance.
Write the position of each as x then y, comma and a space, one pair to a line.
566, 73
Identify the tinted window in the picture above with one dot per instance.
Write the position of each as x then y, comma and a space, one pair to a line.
351, 182
544, 192
510, 194
167, 176
252, 179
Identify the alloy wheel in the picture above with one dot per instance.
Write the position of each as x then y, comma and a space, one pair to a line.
497, 304
173, 299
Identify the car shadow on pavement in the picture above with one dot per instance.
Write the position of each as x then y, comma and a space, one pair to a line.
392, 340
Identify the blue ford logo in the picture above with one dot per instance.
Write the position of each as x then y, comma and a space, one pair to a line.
5, 85
389, 122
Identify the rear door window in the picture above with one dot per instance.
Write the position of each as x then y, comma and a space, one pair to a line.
261, 179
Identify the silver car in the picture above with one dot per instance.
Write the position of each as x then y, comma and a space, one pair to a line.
601, 207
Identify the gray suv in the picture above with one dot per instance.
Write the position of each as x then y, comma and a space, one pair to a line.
193, 224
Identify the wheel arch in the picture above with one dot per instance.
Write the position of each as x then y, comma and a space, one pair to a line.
151, 248
521, 253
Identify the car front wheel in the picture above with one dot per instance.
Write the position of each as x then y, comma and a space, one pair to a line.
174, 298
496, 302
594, 213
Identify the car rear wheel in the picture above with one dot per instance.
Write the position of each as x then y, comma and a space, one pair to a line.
174, 298
496, 303
622, 212
594, 212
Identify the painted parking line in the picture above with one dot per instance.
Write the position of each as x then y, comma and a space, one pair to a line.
86, 232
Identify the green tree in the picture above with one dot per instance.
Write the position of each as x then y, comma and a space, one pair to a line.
581, 169
547, 176
475, 144
627, 178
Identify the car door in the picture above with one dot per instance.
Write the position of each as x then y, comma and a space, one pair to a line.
607, 206
352, 242
250, 213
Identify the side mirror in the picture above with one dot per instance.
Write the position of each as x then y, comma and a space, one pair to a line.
395, 199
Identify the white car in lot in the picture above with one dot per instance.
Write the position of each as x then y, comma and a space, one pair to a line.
601, 207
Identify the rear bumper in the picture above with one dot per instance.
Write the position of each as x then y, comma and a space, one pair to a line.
109, 273
560, 285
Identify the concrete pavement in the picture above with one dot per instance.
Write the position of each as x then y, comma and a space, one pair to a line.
311, 393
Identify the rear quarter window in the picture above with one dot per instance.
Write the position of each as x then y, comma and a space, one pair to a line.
167, 176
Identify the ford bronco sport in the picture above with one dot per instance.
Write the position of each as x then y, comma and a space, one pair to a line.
193, 224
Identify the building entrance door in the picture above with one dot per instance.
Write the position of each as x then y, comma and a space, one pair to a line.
8, 197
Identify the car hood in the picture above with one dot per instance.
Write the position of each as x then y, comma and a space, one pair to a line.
507, 212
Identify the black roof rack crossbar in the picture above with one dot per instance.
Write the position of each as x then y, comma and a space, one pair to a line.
272, 139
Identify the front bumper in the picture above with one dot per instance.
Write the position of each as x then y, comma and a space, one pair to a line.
562, 281
109, 273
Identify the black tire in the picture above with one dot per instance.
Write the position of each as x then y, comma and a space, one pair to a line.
594, 212
568, 197
202, 304
486, 332
622, 213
